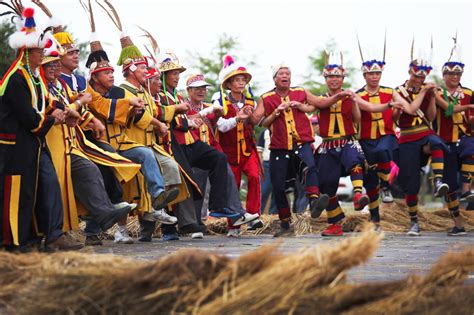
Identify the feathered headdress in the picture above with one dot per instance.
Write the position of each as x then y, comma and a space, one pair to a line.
153, 53
98, 59
130, 56
373, 65
333, 64
27, 36
229, 70
420, 66
454, 63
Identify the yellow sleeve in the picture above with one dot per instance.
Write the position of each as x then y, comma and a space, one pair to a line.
144, 121
112, 110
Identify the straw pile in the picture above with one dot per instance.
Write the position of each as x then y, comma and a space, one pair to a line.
265, 281
394, 219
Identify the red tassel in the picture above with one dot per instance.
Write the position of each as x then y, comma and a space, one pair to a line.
28, 12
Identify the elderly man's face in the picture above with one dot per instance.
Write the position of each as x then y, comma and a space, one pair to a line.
282, 78
237, 83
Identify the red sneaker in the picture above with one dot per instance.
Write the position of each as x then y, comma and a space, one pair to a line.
333, 230
360, 201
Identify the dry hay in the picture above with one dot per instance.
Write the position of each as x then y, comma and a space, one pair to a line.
394, 218
265, 281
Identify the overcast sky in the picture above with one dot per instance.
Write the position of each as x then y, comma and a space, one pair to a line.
271, 31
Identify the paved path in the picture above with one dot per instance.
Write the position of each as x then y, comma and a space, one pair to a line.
397, 256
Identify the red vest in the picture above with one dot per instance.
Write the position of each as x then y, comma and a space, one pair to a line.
180, 127
336, 121
451, 128
412, 127
292, 126
240, 140
374, 125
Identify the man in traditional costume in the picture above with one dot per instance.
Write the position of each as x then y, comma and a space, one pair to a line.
291, 139
454, 121
30, 196
417, 139
196, 86
377, 134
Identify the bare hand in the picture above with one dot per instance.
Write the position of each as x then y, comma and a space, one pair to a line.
136, 102
242, 115
161, 129
198, 122
181, 108
345, 93
72, 117
98, 128
85, 98
397, 105
283, 106
59, 116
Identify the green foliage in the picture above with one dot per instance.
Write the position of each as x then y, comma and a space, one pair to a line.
8, 54
210, 63
314, 80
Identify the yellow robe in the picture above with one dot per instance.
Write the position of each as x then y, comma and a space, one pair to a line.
142, 131
63, 141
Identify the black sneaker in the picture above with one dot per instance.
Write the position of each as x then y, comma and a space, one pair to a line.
455, 231
467, 196
163, 199
93, 240
317, 205
441, 188
113, 217
284, 232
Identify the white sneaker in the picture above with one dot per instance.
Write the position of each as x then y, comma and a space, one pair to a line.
197, 235
246, 218
122, 237
124, 204
234, 233
365, 210
386, 195
159, 216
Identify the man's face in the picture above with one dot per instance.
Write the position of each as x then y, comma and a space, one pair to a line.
172, 78
334, 82
104, 78
71, 60
35, 56
416, 81
452, 79
140, 73
197, 94
282, 78
237, 83
155, 85
50, 70
373, 78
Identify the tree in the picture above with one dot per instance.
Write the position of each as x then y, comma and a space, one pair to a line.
210, 64
314, 81
8, 54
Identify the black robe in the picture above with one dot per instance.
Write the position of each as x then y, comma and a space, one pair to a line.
22, 131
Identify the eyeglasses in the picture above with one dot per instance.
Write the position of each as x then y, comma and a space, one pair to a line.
454, 74
200, 88
54, 64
